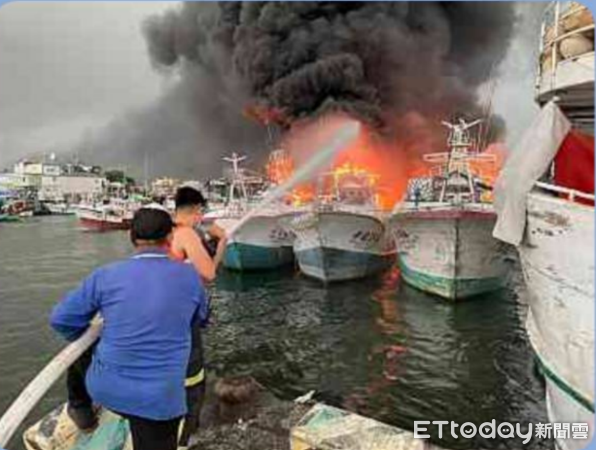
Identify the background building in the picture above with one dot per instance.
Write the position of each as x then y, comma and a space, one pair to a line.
71, 187
50, 180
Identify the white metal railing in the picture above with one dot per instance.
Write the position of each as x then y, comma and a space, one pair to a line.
572, 193
441, 206
559, 38
561, 7
41, 384
553, 32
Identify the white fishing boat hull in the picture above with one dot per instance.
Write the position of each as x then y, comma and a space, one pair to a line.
102, 219
449, 250
557, 258
260, 244
339, 245
60, 209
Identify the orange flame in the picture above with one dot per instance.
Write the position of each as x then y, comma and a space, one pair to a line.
387, 165
279, 168
383, 163
383, 166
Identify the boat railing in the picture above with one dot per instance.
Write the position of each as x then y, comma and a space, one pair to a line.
435, 206
571, 194
22, 406
566, 34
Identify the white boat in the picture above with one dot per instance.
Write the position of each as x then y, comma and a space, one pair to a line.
557, 256
261, 242
115, 214
60, 208
102, 218
343, 235
443, 229
552, 221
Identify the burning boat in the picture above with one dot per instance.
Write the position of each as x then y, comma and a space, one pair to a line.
545, 201
343, 235
260, 242
443, 229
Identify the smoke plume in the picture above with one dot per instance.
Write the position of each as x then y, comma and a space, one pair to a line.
399, 67
373, 60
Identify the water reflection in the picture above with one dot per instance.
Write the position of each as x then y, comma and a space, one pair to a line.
380, 348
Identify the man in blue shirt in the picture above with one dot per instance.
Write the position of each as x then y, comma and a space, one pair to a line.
148, 303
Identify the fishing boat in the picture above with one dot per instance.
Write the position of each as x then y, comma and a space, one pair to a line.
20, 208
261, 242
114, 214
545, 200
7, 213
443, 228
60, 208
9, 218
343, 235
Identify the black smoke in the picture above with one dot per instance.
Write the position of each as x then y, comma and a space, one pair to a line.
401, 67
374, 60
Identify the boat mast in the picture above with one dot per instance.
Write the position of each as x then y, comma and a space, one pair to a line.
237, 177
146, 170
235, 159
458, 165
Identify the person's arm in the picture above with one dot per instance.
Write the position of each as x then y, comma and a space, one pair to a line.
216, 231
72, 316
197, 254
220, 234
220, 250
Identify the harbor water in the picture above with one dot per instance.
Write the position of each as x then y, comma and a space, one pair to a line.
375, 347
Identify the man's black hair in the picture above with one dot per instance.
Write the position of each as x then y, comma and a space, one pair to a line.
189, 196
151, 224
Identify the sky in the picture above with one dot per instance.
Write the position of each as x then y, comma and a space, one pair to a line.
68, 68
